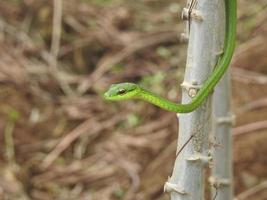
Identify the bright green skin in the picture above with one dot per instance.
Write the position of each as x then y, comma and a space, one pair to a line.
125, 91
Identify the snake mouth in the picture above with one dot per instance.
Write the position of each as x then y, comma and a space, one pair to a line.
109, 97
106, 95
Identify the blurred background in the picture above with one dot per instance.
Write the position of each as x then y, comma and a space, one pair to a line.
61, 140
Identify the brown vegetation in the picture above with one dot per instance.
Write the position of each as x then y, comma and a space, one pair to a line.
60, 140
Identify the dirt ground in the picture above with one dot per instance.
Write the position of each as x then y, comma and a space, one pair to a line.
60, 140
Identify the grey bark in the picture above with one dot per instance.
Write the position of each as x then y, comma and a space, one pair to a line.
205, 45
221, 178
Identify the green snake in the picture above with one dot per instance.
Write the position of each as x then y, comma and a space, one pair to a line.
125, 91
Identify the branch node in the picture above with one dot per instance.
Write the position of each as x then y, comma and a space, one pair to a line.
220, 52
171, 187
184, 37
195, 14
192, 92
191, 88
200, 158
219, 182
230, 119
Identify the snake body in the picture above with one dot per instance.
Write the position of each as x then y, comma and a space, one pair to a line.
125, 91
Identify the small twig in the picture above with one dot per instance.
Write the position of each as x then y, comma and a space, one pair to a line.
190, 138
55, 45
56, 32
161, 157
216, 193
252, 191
191, 6
153, 126
184, 145
256, 126
65, 142
110, 60
9, 142
248, 76
253, 105
74, 134
13, 116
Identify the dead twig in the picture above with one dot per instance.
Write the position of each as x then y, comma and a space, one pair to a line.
110, 60
55, 45
252, 191
256, 126
254, 105
56, 32
247, 76
156, 125
89, 124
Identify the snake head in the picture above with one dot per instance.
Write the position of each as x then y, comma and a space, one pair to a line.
122, 91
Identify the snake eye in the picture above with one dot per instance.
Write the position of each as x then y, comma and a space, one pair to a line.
121, 91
